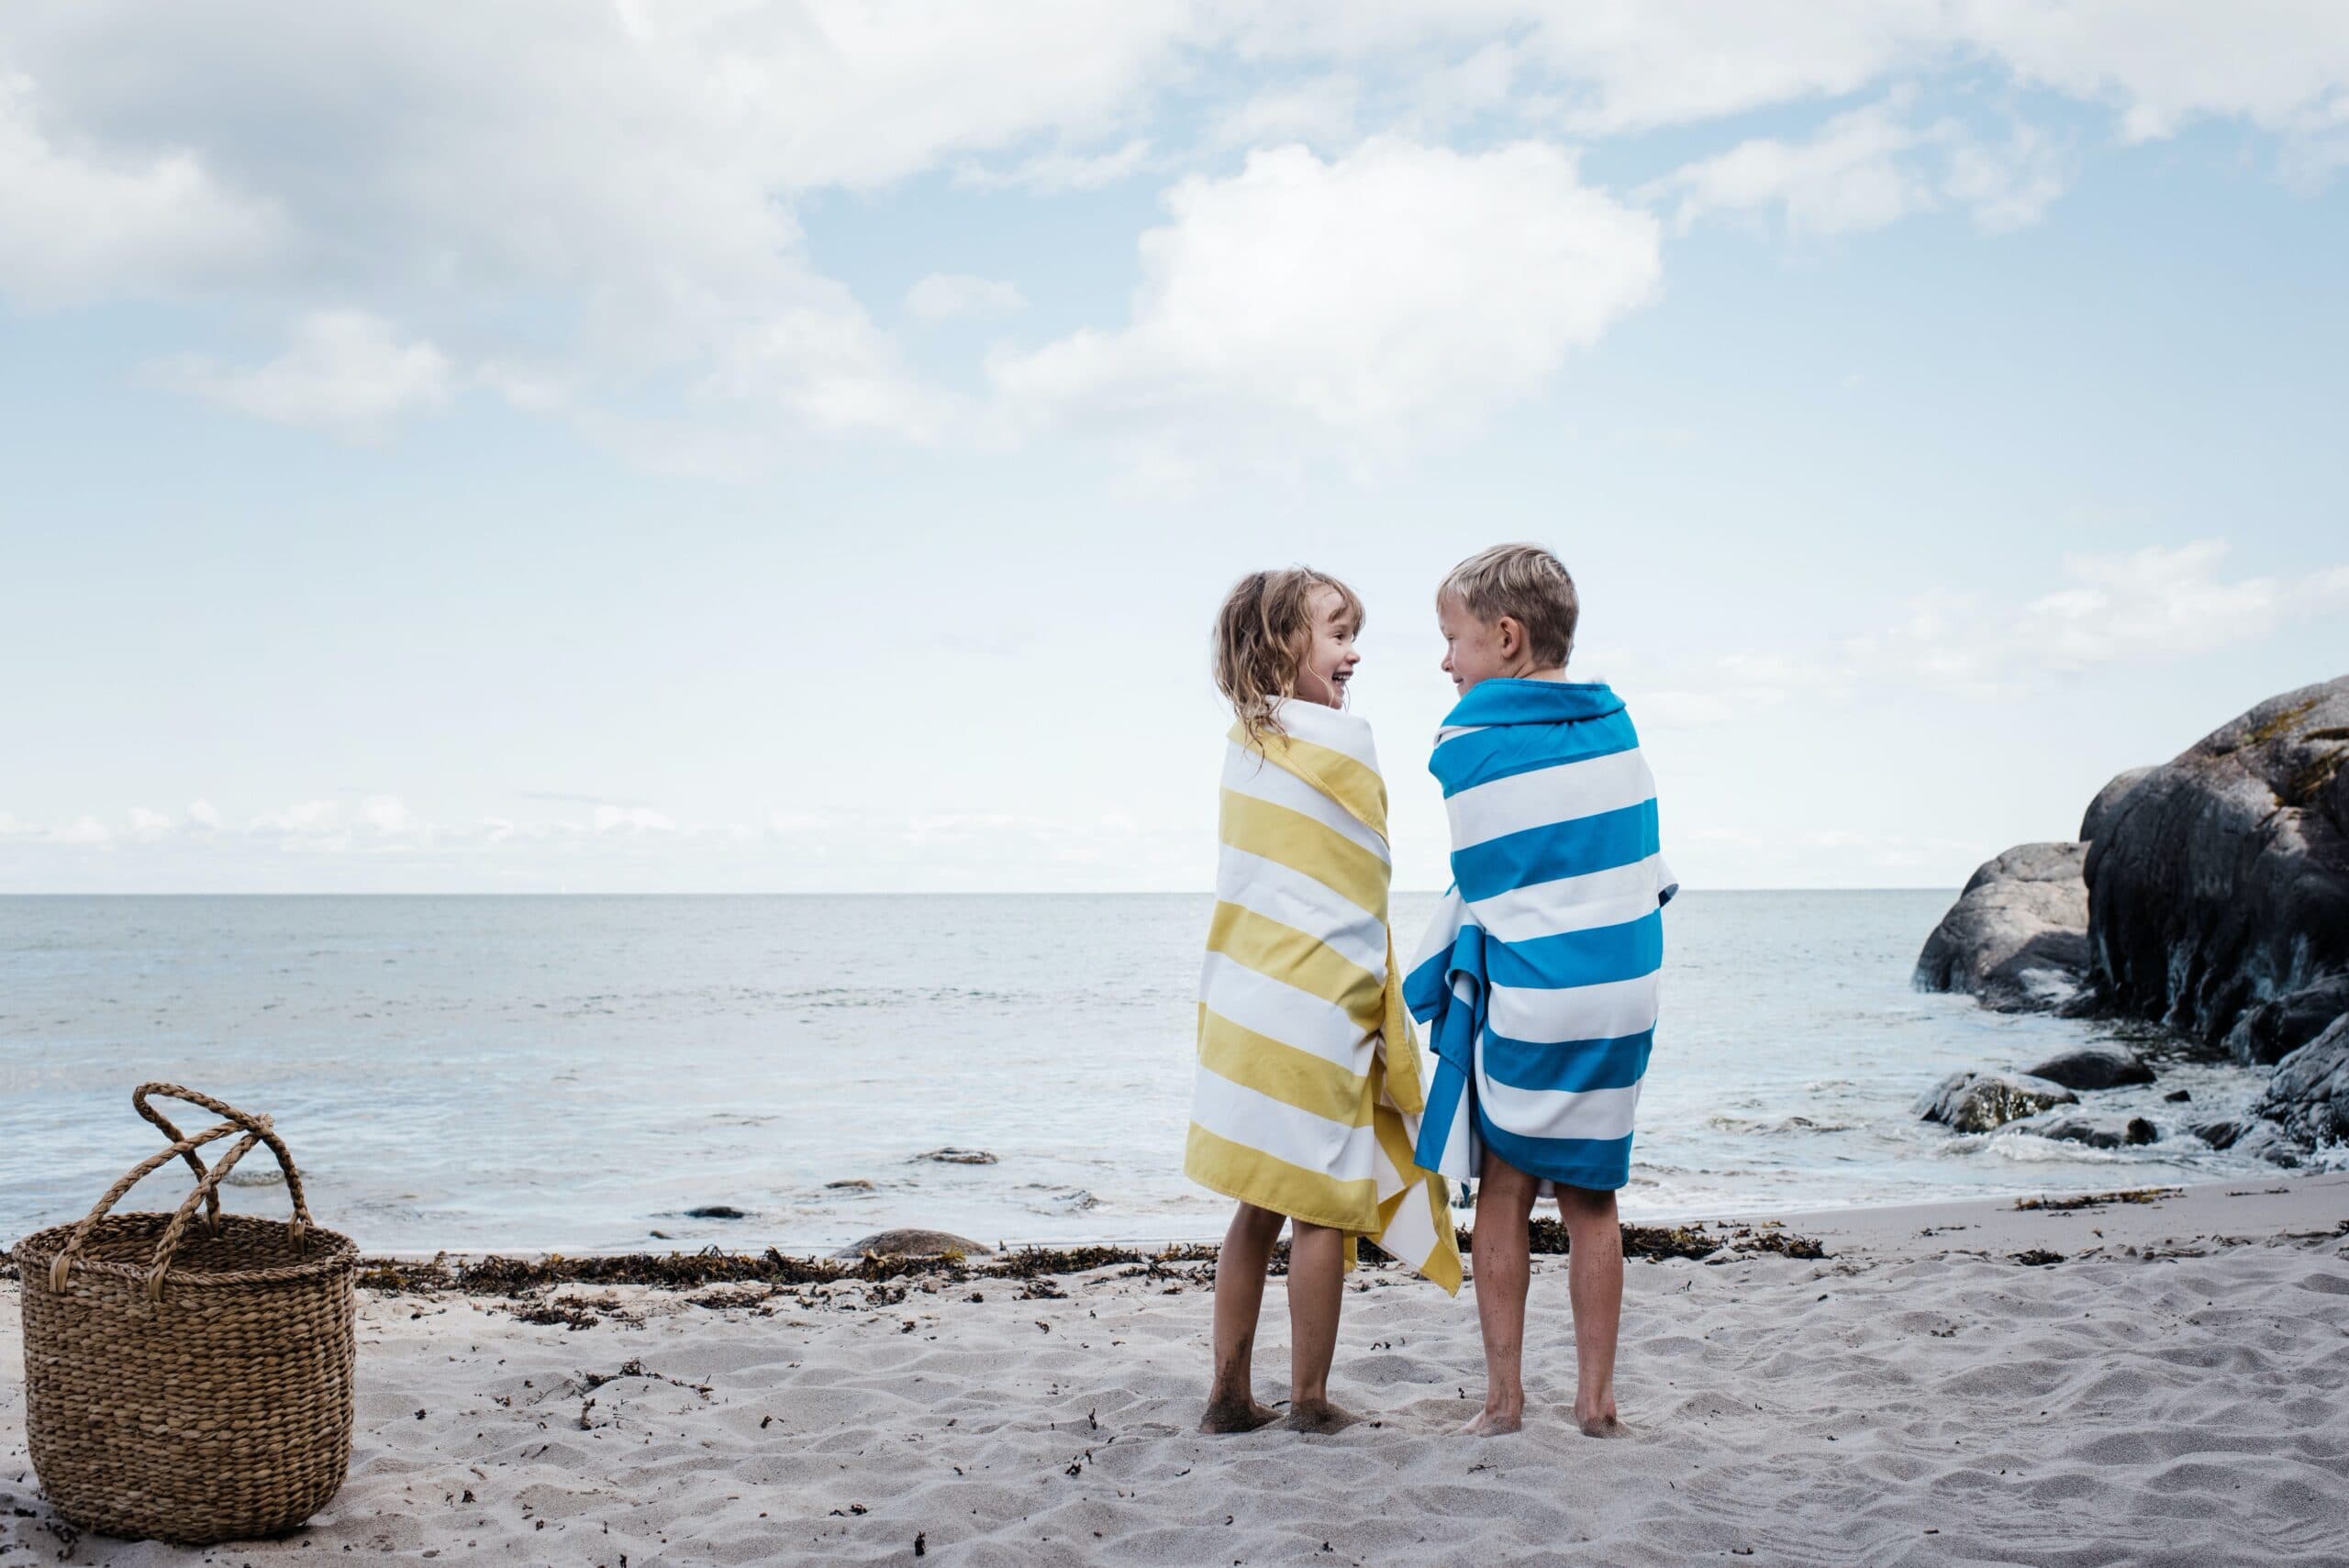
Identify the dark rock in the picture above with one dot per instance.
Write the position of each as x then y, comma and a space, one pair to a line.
958, 1156
2218, 883
715, 1211
2106, 808
2266, 1140
2178, 1097
2099, 1064
2017, 937
851, 1185
1976, 1102
2274, 1030
913, 1243
2309, 1096
2096, 1131
2220, 1134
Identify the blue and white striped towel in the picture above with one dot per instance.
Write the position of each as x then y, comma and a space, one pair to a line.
1537, 980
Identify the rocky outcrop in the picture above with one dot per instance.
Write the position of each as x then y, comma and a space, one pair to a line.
2106, 808
2017, 937
2267, 1141
2274, 1030
2099, 1064
2215, 901
2309, 1096
2218, 881
1976, 1102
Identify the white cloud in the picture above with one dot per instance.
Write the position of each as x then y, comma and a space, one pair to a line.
1868, 168
633, 819
1633, 64
2152, 601
316, 822
84, 222
2007, 185
147, 825
1322, 112
597, 210
633, 180
2282, 64
388, 817
1049, 172
1399, 282
83, 831
2160, 602
346, 370
1852, 175
943, 295
202, 815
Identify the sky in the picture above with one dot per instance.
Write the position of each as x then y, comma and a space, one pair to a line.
713, 447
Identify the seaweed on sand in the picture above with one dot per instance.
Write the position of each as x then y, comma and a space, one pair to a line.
496, 1275
1659, 1241
2098, 1200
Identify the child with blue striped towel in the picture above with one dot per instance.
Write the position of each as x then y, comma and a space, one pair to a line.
1538, 978
1307, 1102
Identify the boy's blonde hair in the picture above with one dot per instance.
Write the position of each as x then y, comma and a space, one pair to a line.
1262, 636
1531, 586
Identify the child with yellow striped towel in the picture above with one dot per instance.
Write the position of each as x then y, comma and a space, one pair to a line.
1308, 1094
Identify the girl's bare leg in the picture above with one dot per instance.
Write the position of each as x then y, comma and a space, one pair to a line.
1317, 1288
1504, 1204
1239, 1295
1594, 1286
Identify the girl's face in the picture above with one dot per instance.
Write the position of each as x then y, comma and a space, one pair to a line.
1473, 651
1329, 662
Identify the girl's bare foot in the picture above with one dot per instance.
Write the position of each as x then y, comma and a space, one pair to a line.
1237, 1415
1495, 1420
1319, 1415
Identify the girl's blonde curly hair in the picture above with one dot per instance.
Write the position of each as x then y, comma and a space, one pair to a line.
1263, 635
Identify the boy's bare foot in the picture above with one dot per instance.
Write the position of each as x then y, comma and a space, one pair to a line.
1319, 1415
1494, 1422
1600, 1421
1234, 1416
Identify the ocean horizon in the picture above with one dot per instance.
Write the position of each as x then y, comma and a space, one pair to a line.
581, 1071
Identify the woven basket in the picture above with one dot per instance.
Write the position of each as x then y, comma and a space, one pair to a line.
189, 1382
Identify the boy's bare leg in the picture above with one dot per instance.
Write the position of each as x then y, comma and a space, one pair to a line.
1316, 1289
1239, 1295
1594, 1286
1504, 1204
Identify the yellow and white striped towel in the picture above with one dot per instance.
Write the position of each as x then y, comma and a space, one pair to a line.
1309, 1090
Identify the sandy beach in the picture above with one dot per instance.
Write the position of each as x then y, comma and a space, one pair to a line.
1936, 1389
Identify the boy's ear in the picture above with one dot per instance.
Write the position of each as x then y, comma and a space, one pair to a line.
1512, 636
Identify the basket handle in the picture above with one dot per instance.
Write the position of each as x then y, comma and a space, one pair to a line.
173, 1135
256, 1129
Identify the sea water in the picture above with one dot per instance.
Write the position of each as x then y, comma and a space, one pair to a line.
578, 1074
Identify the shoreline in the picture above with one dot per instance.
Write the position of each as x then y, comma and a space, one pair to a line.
2163, 1380
1853, 1220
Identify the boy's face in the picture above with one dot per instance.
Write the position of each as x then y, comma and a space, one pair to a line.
1329, 662
1474, 651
